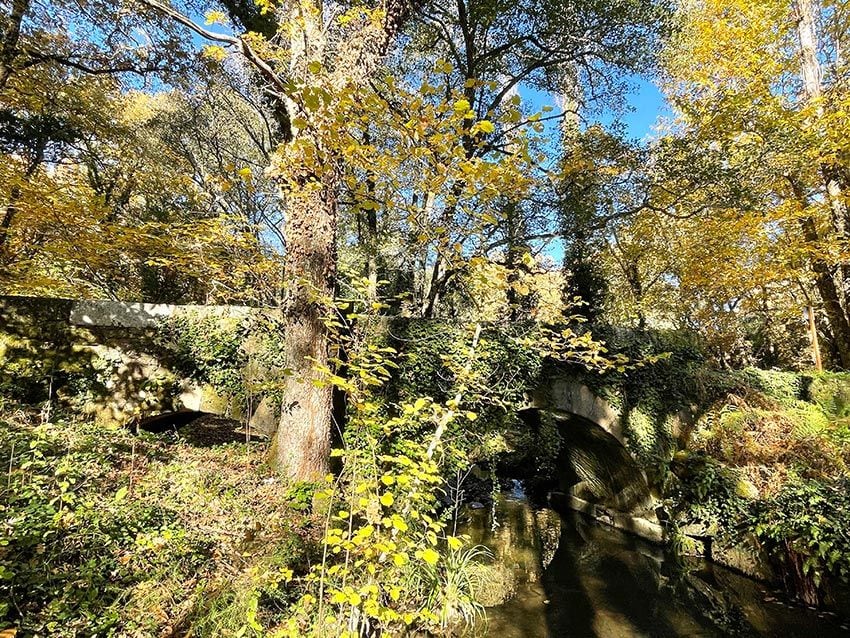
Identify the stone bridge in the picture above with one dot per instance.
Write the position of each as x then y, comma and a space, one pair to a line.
124, 362
138, 372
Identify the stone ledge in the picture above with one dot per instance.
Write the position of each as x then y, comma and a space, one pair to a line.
112, 314
118, 314
640, 527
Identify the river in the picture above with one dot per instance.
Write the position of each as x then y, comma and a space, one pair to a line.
572, 577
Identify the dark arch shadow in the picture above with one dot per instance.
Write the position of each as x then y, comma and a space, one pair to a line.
570, 611
167, 422
607, 471
199, 429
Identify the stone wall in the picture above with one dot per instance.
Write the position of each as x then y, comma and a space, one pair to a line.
107, 357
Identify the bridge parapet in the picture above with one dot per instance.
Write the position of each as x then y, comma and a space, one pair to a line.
118, 352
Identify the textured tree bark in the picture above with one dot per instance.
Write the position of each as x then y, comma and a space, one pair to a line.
810, 67
302, 443
429, 308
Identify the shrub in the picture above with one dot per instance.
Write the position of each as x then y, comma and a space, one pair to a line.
804, 529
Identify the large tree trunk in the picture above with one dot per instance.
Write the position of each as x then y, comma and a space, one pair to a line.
825, 282
302, 443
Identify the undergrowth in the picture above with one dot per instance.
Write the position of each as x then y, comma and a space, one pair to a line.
107, 533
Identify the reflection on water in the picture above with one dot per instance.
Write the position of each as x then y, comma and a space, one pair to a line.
573, 578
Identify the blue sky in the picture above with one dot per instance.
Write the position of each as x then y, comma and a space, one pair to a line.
646, 105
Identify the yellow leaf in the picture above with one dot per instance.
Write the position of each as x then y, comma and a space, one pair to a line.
399, 523
486, 126
400, 559
215, 17
215, 52
430, 556
462, 107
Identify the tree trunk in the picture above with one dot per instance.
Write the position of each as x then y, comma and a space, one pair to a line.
813, 338
11, 211
520, 304
8, 215
368, 225
834, 295
810, 67
825, 283
302, 443
372, 256
9, 45
429, 308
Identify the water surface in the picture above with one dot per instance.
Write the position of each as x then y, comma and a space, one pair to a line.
575, 578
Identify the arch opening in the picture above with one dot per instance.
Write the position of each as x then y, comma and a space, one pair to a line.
596, 467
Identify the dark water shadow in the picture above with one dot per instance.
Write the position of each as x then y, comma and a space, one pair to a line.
570, 611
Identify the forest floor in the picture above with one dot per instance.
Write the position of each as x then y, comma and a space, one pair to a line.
104, 531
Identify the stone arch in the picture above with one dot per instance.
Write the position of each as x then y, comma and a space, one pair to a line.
569, 397
598, 474
600, 477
